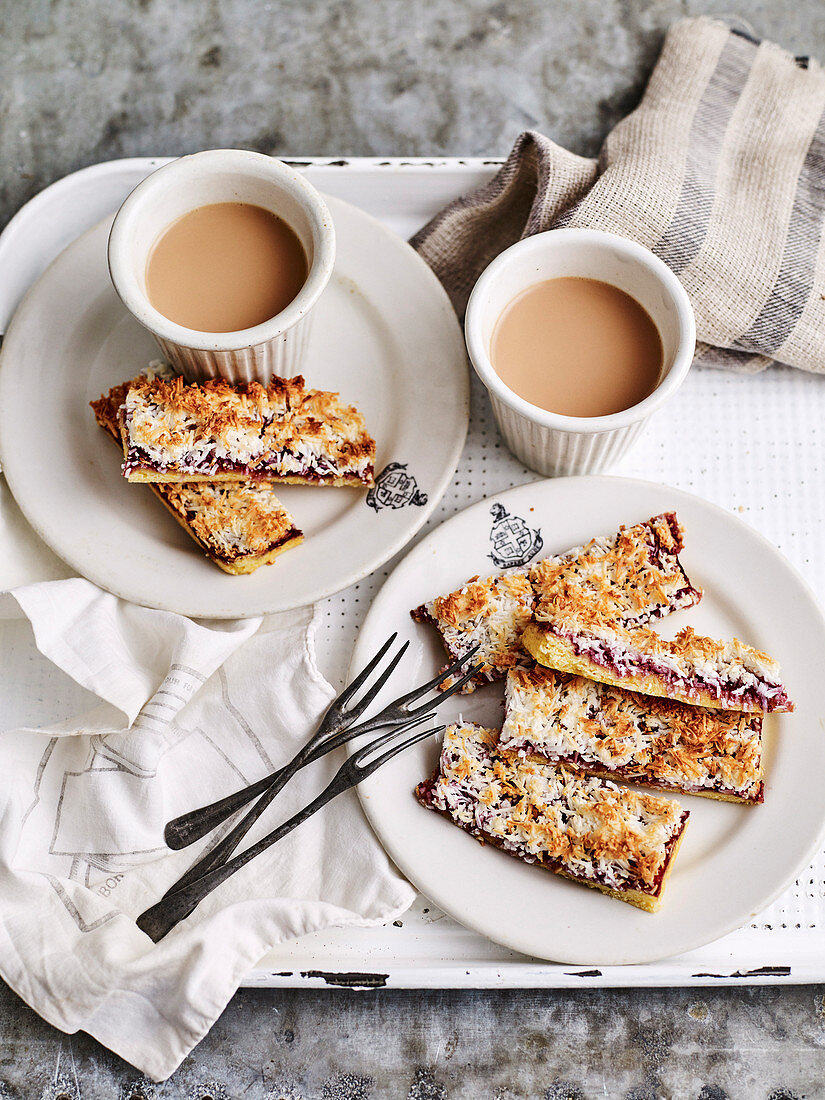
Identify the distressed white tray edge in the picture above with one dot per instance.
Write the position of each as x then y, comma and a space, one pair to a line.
790, 958
528, 977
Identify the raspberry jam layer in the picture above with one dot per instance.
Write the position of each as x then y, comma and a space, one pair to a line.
729, 694
320, 471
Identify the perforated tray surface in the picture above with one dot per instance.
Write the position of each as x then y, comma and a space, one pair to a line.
752, 444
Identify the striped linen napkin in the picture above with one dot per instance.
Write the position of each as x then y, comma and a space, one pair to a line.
720, 171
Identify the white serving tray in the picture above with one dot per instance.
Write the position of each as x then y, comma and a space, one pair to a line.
752, 444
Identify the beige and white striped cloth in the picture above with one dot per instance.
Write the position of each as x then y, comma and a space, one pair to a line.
720, 171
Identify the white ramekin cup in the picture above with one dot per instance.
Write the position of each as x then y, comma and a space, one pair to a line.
548, 442
223, 175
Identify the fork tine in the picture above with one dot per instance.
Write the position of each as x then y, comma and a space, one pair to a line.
357, 757
360, 679
439, 679
368, 768
395, 713
351, 732
358, 708
457, 686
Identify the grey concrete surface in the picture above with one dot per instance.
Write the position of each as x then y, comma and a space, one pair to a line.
743, 1044
88, 80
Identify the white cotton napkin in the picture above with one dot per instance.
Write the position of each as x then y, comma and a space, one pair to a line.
188, 713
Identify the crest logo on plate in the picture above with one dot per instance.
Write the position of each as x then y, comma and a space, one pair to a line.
395, 488
514, 542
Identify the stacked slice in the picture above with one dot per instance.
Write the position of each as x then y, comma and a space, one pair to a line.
575, 629
613, 702
637, 574
212, 451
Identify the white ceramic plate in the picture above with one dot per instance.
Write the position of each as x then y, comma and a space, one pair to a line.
385, 336
735, 859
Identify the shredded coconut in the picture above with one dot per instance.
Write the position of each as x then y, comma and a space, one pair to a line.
588, 828
593, 726
198, 431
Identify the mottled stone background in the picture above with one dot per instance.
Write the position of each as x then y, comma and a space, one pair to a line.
88, 80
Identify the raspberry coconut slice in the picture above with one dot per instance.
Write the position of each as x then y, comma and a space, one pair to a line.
215, 431
602, 730
612, 839
691, 669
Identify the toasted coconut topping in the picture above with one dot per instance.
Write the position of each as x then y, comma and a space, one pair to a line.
231, 521
234, 519
631, 579
589, 828
638, 570
279, 430
595, 726
490, 613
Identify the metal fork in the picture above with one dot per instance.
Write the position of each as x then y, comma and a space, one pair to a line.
330, 735
224, 849
335, 729
340, 712
174, 907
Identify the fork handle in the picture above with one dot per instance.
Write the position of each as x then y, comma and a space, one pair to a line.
224, 849
174, 907
182, 831
189, 827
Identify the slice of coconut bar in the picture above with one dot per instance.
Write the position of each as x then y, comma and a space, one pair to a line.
602, 730
174, 431
613, 839
691, 669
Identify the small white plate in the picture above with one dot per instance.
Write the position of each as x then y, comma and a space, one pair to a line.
735, 859
385, 337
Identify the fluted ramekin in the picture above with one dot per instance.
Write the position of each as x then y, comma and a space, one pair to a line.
548, 442
278, 345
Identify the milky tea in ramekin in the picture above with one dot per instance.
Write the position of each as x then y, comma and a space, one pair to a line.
201, 183
550, 442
